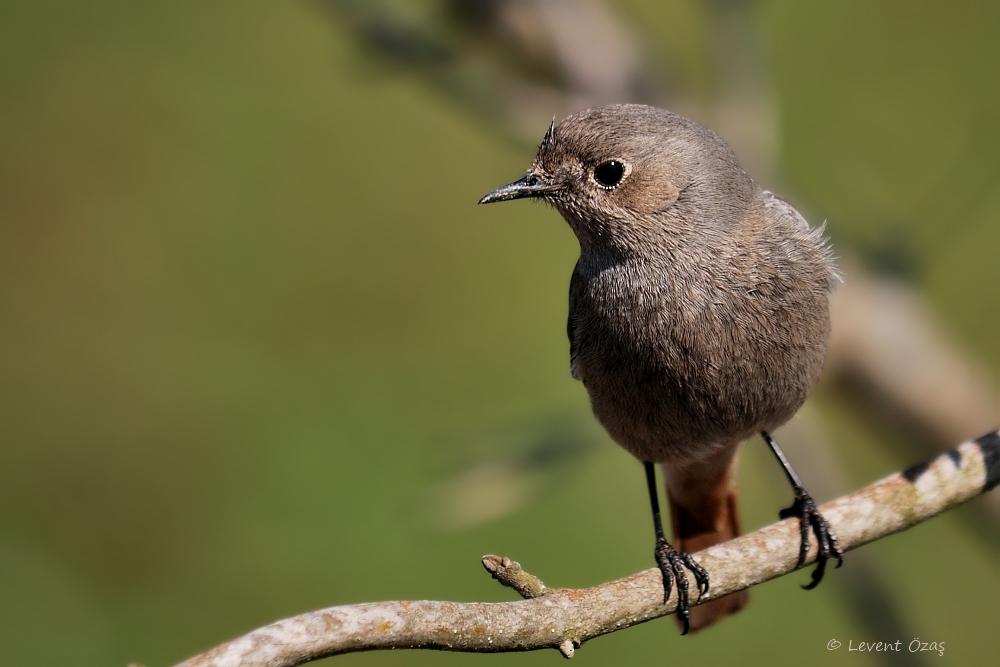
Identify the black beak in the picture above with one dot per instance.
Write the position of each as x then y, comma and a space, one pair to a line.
529, 186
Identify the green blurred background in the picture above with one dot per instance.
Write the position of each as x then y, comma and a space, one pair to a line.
251, 321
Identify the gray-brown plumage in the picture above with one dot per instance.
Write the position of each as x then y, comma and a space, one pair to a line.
698, 308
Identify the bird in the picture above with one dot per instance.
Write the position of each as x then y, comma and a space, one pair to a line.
698, 318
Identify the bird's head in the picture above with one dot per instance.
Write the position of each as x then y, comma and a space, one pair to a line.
626, 176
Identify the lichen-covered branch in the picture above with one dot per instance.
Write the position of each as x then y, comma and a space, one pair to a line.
564, 619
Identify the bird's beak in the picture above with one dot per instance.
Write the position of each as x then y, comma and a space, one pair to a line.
531, 185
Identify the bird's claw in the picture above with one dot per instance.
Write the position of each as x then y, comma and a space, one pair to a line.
672, 564
809, 517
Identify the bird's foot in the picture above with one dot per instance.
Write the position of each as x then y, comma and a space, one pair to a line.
672, 564
805, 509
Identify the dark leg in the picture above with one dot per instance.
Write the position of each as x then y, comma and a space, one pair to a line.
805, 509
671, 561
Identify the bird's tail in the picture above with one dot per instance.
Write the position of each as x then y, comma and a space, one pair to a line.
704, 511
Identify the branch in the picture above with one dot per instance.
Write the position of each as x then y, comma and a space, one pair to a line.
564, 618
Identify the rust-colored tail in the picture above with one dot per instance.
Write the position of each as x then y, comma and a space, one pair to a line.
704, 511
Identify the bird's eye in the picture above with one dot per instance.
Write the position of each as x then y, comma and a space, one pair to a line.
609, 174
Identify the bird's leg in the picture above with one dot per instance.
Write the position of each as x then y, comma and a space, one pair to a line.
672, 562
805, 509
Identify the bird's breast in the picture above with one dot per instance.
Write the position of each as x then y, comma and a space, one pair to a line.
674, 363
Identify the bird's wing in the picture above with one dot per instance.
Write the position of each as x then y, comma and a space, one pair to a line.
574, 285
776, 203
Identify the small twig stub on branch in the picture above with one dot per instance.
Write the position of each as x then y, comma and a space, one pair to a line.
510, 574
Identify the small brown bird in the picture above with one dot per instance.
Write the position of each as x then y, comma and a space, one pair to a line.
698, 317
